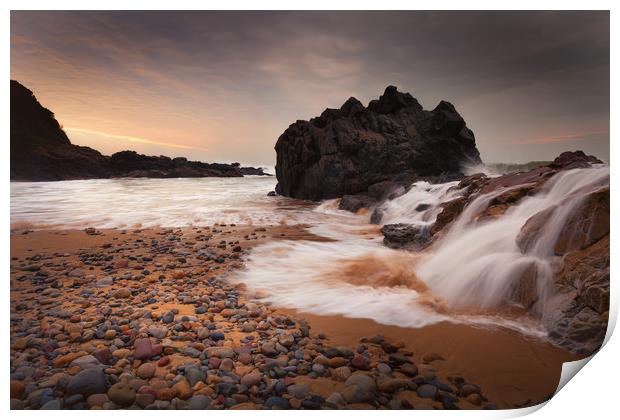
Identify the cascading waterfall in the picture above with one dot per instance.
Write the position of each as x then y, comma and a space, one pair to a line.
467, 276
420, 205
477, 263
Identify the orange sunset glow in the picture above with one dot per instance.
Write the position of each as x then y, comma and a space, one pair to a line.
222, 86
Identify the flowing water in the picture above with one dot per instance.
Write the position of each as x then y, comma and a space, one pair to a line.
144, 202
464, 277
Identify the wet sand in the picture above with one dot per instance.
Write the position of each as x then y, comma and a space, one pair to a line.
512, 370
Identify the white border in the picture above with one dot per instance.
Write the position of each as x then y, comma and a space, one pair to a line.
592, 395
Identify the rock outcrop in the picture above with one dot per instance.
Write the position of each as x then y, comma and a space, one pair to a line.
576, 314
41, 151
577, 317
517, 184
579, 314
348, 150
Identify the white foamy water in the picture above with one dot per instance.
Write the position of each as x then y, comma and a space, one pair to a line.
462, 279
144, 202
420, 205
477, 262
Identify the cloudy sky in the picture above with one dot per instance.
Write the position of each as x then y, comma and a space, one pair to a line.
222, 86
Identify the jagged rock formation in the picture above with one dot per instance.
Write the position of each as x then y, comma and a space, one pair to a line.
41, 151
348, 150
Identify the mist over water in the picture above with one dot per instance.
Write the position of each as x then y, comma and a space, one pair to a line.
145, 202
464, 277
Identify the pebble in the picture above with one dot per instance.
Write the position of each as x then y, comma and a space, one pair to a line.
336, 399
287, 340
146, 370
52, 405
427, 391
341, 374
194, 375
144, 400
103, 355
96, 400
122, 394
251, 379
360, 362
475, 399
144, 349
199, 402
277, 403
171, 334
359, 388
182, 389
384, 368
468, 389
17, 389
299, 391
109, 334
88, 382
122, 293
158, 332
245, 358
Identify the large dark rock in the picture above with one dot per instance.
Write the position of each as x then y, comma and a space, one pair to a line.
30, 121
345, 151
41, 151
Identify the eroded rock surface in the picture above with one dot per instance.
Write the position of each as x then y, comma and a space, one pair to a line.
345, 151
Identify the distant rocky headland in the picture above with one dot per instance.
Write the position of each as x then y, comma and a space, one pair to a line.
41, 151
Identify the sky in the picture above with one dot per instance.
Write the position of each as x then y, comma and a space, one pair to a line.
222, 86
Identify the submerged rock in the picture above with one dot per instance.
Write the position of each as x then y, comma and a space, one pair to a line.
403, 235
353, 203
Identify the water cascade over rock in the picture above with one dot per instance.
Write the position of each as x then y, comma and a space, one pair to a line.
527, 250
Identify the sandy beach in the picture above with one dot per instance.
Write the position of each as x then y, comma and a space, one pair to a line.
514, 371
151, 306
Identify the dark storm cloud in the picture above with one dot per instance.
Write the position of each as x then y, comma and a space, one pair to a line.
239, 78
